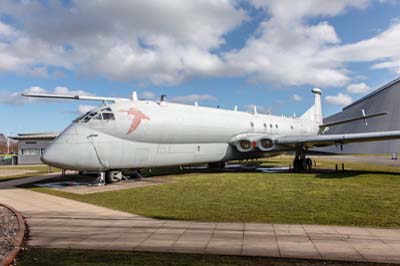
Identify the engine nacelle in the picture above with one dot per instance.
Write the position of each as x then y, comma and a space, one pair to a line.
248, 143
266, 144
245, 145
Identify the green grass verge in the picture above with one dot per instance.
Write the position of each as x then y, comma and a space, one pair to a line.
40, 169
368, 195
45, 257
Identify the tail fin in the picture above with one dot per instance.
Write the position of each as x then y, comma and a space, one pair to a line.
315, 111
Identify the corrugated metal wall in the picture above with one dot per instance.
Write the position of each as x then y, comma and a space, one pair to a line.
34, 144
385, 99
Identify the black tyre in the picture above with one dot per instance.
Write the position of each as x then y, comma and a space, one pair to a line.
309, 164
296, 164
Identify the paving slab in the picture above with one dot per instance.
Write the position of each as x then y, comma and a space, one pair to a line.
56, 222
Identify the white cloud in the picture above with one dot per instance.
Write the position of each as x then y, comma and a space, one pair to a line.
358, 88
84, 108
193, 98
148, 95
16, 98
339, 99
168, 42
296, 98
288, 10
163, 42
260, 108
286, 50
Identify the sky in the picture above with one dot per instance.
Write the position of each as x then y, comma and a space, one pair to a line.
264, 53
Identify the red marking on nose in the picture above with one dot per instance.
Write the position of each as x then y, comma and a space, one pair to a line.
138, 116
254, 144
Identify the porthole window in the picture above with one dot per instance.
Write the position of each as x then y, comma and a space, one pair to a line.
251, 124
265, 125
270, 125
276, 125
291, 126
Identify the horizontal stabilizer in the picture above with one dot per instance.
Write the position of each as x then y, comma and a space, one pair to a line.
74, 97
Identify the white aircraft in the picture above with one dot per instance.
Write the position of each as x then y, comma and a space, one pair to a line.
129, 134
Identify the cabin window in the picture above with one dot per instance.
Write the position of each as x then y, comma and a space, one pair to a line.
276, 125
265, 125
270, 125
291, 126
251, 124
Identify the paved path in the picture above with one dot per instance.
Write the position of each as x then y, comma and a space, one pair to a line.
61, 223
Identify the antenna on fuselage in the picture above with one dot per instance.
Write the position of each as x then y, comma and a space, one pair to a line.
134, 96
162, 98
235, 109
196, 104
255, 109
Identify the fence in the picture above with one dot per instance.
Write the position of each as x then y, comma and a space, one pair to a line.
8, 159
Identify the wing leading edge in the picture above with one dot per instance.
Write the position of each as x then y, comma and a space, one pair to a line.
327, 140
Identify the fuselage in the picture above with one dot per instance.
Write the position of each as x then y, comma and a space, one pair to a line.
141, 134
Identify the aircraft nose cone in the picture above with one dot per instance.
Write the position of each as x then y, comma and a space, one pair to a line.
72, 150
51, 156
56, 154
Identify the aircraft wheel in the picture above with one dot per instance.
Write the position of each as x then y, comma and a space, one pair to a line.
303, 164
113, 176
296, 164
309, 164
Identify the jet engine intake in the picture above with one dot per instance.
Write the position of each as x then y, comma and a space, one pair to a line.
266, 144
254, 143
244, 145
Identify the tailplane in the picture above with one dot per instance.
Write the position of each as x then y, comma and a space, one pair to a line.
315, 111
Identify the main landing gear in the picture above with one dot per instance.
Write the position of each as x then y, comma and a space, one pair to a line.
109, 177
301, 163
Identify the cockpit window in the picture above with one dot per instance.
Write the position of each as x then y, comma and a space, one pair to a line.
102, 114
108, 116
98, 117
89, 117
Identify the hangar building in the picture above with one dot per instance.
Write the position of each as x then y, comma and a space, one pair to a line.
31, 146
384, 99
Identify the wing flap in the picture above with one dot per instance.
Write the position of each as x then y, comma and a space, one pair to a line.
326, 140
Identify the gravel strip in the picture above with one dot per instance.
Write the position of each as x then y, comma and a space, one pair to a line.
8, 231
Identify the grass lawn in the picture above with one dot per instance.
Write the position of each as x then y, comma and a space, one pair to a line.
39, 170
45, 257
367, 195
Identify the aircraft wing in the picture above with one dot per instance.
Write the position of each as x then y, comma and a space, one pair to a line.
73, 97
334, 139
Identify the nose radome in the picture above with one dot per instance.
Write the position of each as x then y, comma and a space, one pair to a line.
72, 150
52, 156
56, 154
